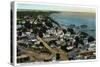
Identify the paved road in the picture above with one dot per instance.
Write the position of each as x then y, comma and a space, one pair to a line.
40, 57
63, 55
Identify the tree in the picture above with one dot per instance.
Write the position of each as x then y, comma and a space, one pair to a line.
57, 56
71, 30
83, 34
64, 30
90, 39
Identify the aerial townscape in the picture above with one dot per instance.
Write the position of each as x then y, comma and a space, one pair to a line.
40, 38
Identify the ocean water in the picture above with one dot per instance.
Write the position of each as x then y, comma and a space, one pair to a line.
67, 18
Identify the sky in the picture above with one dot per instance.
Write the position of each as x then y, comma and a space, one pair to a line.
37, 6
